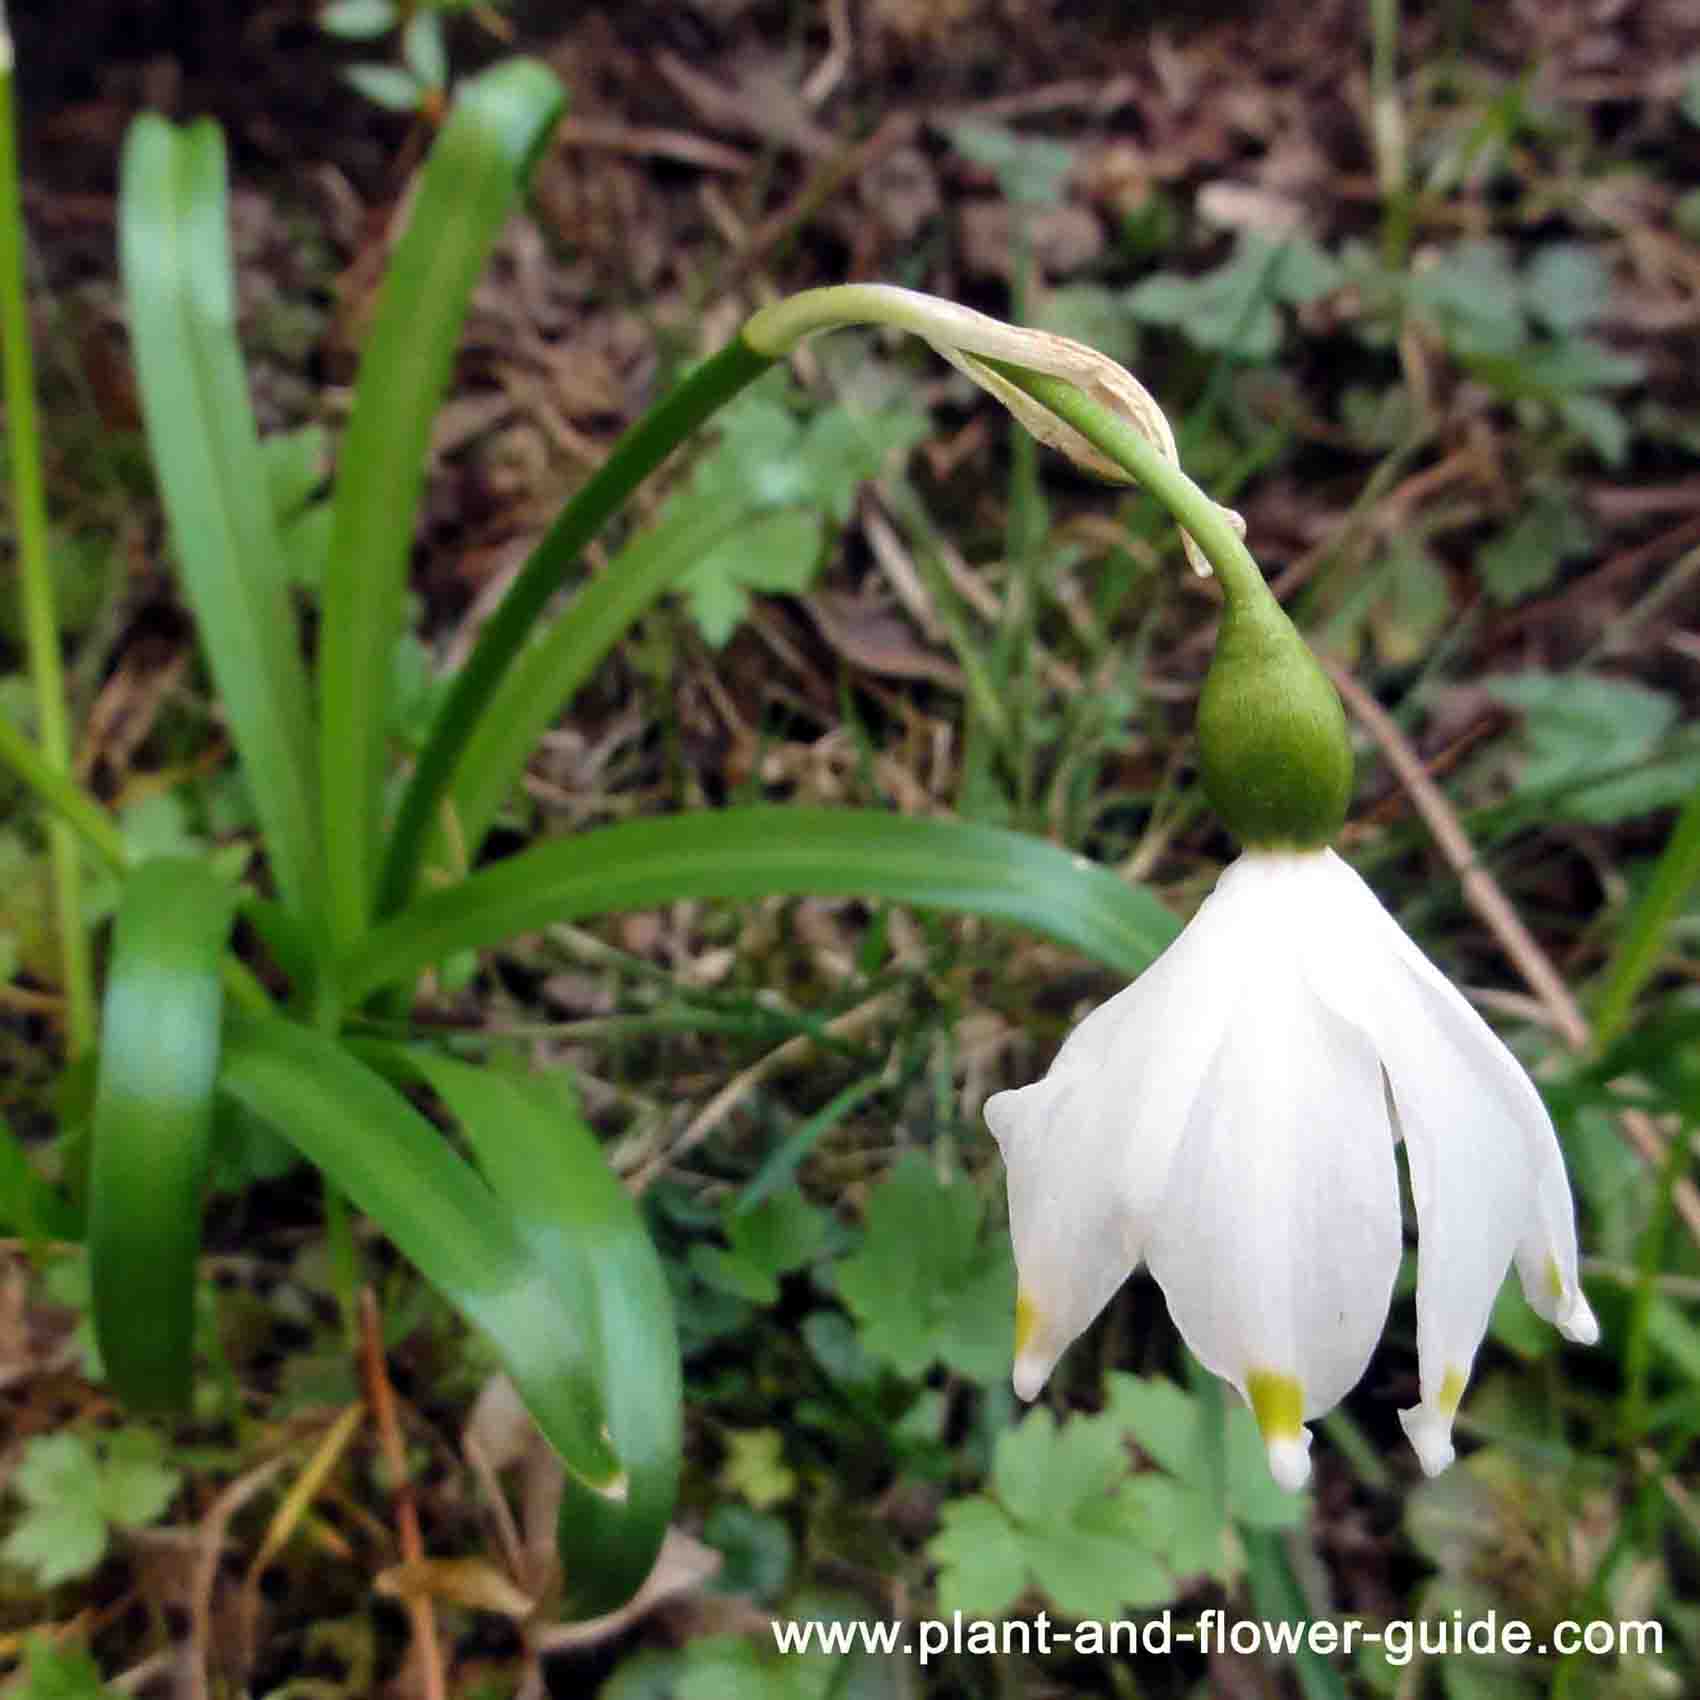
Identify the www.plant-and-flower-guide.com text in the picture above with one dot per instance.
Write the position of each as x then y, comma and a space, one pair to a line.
1212, 1631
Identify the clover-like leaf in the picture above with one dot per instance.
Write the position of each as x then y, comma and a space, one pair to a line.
1167, 1424
73, 1494
927, 1285
1527, 555
1233, 308
778, 1235
136, 1484
1063, 1518
982, 1566
755, 1467
61, 1533
1607, 748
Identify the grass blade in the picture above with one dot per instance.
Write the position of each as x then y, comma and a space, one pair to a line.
41, 620
765, 851
1277, 1598
546, 1164
30, 1207
395, 1166
182, 305
469, 184
59, 792
784, 1163
1642, 941
152, 1124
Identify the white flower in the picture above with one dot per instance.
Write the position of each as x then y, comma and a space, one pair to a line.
1230, 1119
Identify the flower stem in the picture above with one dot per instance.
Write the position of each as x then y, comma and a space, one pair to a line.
41, 625
1274, 755
1194, 511
778, 328
637, 454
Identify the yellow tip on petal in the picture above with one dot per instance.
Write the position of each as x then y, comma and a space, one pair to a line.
1571, 1311
1031, 1366
1026, 1322
1278, 1402
1451, 1391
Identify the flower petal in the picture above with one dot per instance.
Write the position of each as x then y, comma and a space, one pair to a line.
1478, 1139
1075, 1242
1087, 1148
1546, 1250
1278, 1238
1470, 1181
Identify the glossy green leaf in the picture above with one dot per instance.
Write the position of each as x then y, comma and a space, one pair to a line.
762, 851
206, 450
468, 186
547, 1166
159, 1053
466, 1240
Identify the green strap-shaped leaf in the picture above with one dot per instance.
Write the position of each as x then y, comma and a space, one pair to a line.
159, 1052
206, 450
510, 628
763, 851
542, 682
381, 1153
545, 1163
468, 186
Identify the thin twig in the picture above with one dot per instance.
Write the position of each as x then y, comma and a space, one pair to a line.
829, 73
847, 1026
210, 1544
381, 1397
823, 186
646, 141
1494, 909
1481, 889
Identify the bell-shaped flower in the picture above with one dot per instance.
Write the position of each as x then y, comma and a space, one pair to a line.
1230, 1119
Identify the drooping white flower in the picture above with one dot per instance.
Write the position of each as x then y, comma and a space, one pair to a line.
1230, 1120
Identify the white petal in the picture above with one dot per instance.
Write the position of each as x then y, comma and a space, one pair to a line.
1546, 1249
1478, 1139
1471, 1184
1075, 1242
1278, 1238
1087, 1148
